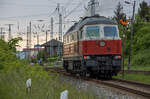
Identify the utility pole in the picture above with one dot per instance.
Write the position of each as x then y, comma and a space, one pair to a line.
92, 7
60, 22
60, 34
38, 43
51, 35
131, 37
1, 35
46, 35
60, 27
18, 29
37, 39
3, 38
27, 37
9, 37
60, 30
30, 32
27, 53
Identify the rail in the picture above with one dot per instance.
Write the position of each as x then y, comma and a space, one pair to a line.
137, 88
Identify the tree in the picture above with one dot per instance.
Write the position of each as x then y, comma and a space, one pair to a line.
144, 11
41, 55
13, 43
119, 13
118, 16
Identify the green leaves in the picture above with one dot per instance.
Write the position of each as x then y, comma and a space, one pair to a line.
119, 13
142, 38
142, 57
52, 59
144, 11
14, 73
13, 43
141, 44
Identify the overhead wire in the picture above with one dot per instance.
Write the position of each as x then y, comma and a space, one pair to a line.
34, 15
42, 14
74, 9
26, 5
68, 3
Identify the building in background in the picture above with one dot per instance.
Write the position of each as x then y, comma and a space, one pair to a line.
21, 55
53, 48
32, 52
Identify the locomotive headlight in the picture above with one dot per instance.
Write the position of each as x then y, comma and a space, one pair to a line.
88, 57
102, 43
117, 57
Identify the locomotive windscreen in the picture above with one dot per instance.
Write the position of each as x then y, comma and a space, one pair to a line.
110, 31
92, 32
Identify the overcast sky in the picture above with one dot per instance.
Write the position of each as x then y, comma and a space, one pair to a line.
21, 12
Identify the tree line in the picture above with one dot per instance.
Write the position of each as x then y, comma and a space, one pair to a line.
141, 33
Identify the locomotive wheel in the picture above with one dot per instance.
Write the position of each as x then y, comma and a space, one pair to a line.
92, 75
84, 73
110, 76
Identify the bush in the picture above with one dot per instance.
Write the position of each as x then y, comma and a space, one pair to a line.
14, 73
141, 42
141, 48
141, 38
52, 59
142, 57
34, 60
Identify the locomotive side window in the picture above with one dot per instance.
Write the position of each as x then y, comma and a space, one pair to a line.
92, 32
67, 39
110, 31
72, 37
64, 40
75, 36
70, 40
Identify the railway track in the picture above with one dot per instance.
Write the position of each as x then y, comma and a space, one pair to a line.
136, 88
128, 86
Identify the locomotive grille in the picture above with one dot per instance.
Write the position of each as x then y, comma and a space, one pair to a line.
104, 60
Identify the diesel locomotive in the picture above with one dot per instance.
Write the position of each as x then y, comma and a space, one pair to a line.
93, 46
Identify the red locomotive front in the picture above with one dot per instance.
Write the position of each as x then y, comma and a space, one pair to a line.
93, 46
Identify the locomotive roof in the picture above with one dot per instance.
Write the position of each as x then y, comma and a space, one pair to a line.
90, 21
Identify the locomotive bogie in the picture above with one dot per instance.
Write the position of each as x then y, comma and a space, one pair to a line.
95, 65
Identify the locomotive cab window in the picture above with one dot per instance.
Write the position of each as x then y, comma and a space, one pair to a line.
81, 34
110, 31
92, 32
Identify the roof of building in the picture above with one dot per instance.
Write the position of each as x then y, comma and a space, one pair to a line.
89, 21
33, 49
52, 42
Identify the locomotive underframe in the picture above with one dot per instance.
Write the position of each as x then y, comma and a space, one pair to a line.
95, 65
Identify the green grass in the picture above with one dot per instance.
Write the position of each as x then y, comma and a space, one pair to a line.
135, 77
134, 67
50, 64
14, 73
12, 86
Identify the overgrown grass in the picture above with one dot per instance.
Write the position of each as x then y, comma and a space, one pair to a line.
135, 77
52, 59
49, 65
12, 86
14, 73
133, 67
